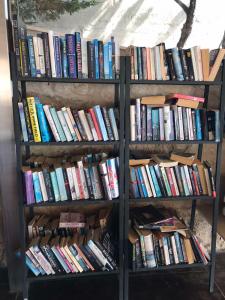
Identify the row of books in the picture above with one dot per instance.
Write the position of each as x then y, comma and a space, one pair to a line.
84, 178
178, 176
154, 118
164, 242
45, 54
42, 123
87, 251
159, 63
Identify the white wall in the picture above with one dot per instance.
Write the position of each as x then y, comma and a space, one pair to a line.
146, 22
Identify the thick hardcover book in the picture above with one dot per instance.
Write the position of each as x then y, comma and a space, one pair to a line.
183, 64
78, 54
34, 119
177, 64
64, 57
189, 62
23, 122
101, 59
143, 122
106, 60
96, 58
44, 128
45, 38
58, 61
71, 55
155, 124
31, 56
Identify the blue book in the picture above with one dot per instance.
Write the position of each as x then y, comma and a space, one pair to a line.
155, 181
134, 184
78, 54
177, 64
37, 188
58, 124
139, 183
106, 60
198, 125
78, 258
60, 259
142, 182
71, 55
57, 52
179, 248
112, 120
61, 184
32, 267
55, 186
101, 122
96, 61
42, 120
155, 124
64, 57
110, 61
23, 122
30, 44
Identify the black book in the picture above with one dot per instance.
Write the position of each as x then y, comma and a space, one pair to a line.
16, 43
193, 123
107, 255
90, 58
139, 263
27, 120
49, 255
67, 186
204, 123
48, 71
157, 251
185, 123
171, 68
107, 123
101, 59
139, 63
183, 64
48, 184
179, 180
210, 115
143, 123
89, 184
196, 250
189, 64
183, 249
94, 257
25, 67
162, 252
160, 180
170, 249
97, 266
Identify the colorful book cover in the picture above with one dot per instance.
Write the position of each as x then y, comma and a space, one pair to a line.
155, 181
101, 123
155, 124
31, 55
96, 58
198, 125
64, 57
110, 61
78, 54
44, 128
141, 179
71, 55
106, 60
32, 267
29, 187
34, 119
37, 188
23, 122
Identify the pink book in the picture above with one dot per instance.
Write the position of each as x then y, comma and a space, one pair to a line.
183, 96
148, 64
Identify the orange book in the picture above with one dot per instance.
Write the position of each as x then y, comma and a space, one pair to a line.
187, 103
153, 100
205, 63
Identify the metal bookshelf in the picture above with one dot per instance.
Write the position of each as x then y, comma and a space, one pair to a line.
215, 201
23, 151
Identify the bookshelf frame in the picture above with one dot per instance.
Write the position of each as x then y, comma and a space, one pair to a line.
24, 147
210, 267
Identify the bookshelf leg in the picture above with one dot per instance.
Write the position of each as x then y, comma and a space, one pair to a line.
193, 210
25, 291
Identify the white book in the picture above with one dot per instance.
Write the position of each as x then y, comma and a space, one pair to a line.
71, 182
167, 124
158, 71
181, 125
51, 123
132, 123
83, 179
75, 181
64, 126
74, 124
149, 251
150, 181
96, 183
113, 177
194, 64
36, 55
190, 124
41, 55
43, 186
117, 58
175, 182
198, 58
104, 174
92, 126
175, 254
84, 58
146, 182
161, 124
187, 175
138, 119
69, 123
85, 125
152, 63
52, 53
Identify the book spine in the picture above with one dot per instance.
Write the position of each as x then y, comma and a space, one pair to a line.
52, 53
143, 122
69, 123
193, 123
179, 248
31, 56
96, 59
60, 259
95, 121
155, 181
184, 181
115, 59
90, 56
58, 60
149, 251
85, 125
105, 179
37, 188
47, 59
170, 179
75, 180
64, 57
113, 177
112, 120
83, 180
24, 57
61, 184
144, 62
32, 267
48, 185
110, 61
133, 184
75, 127
71, 55
177, 64
188, 56
142, 183
166, 250
217, 126
101, 59
43, 186
92, 126
161, 125
23, 122
155, 124
28, 121
150, 181
146, 182
55, 186
41, 54
158, 72
44, 129
165, 179
64, 126
185, 123
183, 64
78, 51
66, 183
84, 58
167, 124
135, 64
79, 125
160, 179
180, 121
101, 123
149, 123
107, 123
16, 42
198, 125
34, 119
30, 199
188, 179
170, 250
56, 126
169, 57
106, 60
138, 119
139, 63
179, 180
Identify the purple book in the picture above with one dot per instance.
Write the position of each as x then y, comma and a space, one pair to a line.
29, 187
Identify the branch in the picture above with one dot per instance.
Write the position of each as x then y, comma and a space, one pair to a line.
182, 5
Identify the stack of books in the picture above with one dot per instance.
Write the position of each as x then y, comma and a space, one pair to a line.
173, 117
181, 175
161, 240
43, 123
84, 245
159, 63
45, 54
61, 179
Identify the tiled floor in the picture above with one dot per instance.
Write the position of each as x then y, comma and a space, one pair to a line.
180, 285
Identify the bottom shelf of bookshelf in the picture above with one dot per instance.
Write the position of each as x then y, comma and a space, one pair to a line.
177, 198
32, 278
170, 267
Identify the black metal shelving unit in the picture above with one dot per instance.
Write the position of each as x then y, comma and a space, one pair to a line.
215, 201
23, 151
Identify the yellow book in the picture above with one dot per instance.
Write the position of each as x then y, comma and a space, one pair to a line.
34, 119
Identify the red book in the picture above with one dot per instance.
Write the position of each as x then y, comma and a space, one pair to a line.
81, 190
183, 96
94, 119
171, 183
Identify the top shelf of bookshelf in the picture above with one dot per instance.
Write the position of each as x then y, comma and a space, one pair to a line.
69, 80
175, 82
